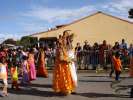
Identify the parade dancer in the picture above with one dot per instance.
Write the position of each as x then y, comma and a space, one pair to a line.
25, 71
31, 62
3, 76
41, 70
72, 61
14, 77
62, 78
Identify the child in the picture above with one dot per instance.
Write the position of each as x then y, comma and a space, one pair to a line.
3, 76
14, 77
117, 65
25, 71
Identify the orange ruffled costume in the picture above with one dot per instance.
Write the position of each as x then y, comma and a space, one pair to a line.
42, 71
62, 79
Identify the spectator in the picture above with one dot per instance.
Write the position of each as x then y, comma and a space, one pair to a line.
124, 57
116, 48
86, 51
78, 53
123, 44
102, 54
95, 55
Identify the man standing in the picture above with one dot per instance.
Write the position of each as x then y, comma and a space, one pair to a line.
78, 52
102, 54
86, 53
123, 44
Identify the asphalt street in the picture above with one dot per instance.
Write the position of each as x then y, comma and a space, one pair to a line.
91, 86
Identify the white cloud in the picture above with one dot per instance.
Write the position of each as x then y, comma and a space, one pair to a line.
33, 27
4, 36
119, 6
123, 5
51, 15
57, 14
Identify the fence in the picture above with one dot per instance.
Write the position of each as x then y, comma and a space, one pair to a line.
92, 59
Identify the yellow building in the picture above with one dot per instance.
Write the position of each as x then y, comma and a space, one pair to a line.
95, 28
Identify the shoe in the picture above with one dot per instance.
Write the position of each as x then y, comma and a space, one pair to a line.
73, 93
131, 96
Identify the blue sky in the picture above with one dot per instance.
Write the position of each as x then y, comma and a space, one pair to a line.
23, 17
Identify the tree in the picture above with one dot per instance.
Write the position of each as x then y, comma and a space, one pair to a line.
9, 41
18, 43
28, 41
25, 41
130, 12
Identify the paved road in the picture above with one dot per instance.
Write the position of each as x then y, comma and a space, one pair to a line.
91, 86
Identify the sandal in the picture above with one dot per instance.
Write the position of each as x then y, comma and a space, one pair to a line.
5, 93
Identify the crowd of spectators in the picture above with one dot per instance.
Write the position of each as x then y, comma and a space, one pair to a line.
101, 54
87, 56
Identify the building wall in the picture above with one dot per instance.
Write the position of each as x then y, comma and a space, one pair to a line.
97, 28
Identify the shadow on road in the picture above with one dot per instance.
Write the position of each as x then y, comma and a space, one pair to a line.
123, 77
98, 95
94, 81
41, 85
126, 86
123, 87
35, 92
95, 76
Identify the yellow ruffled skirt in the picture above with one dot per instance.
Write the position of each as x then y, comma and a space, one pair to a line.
62, 79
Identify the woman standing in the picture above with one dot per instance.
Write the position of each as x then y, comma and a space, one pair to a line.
3, 75
41, 71
62, 77
31, 62
25, 71
71, 62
